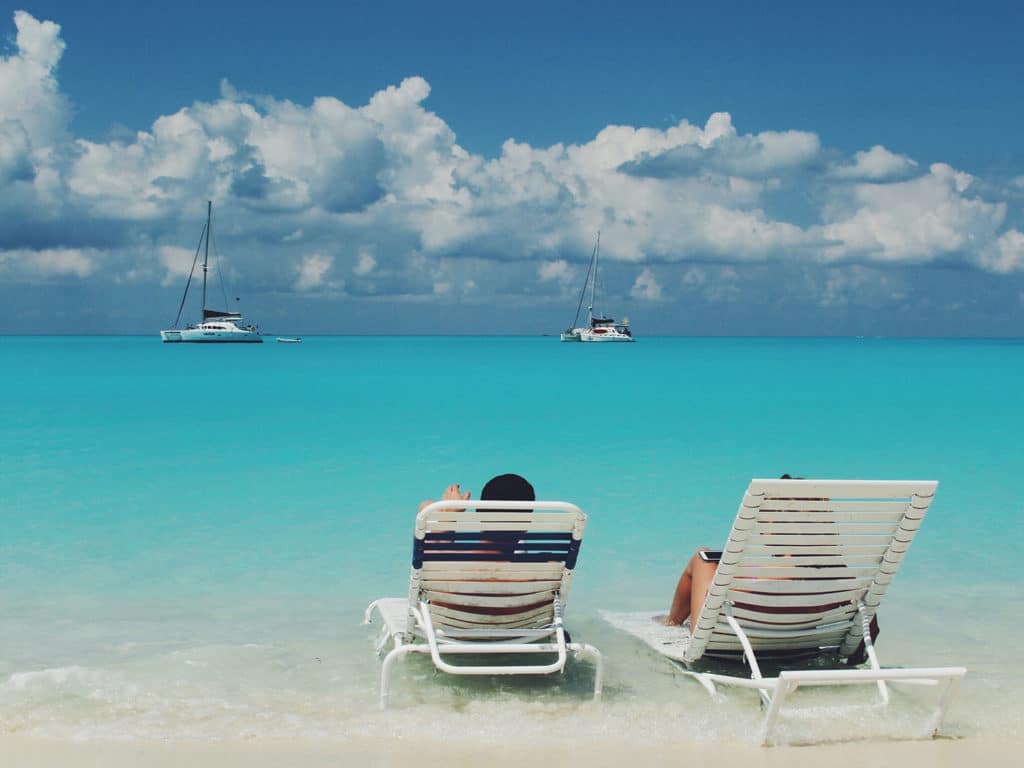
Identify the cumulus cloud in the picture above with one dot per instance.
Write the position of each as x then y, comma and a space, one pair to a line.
876, 164
30, 95
646, 287
921, 220
15, 153
386, 189
1007, 254
365, 265
176, 263
47, 264
312, 271
719, 149
554, 270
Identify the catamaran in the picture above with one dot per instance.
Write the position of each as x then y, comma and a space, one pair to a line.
216, 326
598, 328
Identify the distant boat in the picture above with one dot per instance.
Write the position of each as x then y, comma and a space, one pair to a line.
216, 326
289, 340
598, 328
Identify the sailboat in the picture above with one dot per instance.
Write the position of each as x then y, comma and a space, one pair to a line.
216, 326
598, 328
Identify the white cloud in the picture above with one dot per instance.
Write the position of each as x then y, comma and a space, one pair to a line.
48, 263
15, 153
554, 270
176, 263
312, 270
386, 187
876, 164
916, 221
646, 287
365, 265
28, 87
1006, 255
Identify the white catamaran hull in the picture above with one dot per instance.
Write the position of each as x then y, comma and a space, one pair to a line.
604, 336
219, 335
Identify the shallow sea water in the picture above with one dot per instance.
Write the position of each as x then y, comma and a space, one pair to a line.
190, 533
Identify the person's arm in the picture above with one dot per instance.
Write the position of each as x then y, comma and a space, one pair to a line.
452, 493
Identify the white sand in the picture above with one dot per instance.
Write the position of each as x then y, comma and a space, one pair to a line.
26, 752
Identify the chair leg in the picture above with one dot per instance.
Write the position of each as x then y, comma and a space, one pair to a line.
782, 689
952, 684
385, 670
585, 649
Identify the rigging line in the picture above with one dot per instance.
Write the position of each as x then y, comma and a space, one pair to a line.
584, 291
220, 273
190, 273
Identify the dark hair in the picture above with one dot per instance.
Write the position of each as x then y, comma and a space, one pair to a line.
508, 488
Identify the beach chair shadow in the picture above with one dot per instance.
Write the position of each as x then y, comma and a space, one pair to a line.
805, 567
487, 591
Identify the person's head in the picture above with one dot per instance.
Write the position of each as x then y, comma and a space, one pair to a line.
508, 488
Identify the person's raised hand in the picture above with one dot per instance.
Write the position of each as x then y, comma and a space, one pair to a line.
454, 493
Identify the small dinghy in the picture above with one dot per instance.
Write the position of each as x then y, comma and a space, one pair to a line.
289, 340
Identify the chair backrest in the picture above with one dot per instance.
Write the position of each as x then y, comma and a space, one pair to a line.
800, 555
494, 564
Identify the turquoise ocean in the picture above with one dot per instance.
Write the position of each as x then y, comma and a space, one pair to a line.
189, 534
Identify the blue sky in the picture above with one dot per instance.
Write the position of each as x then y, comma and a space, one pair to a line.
409, 167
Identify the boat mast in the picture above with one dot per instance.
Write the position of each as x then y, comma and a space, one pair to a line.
593, 285
206, 252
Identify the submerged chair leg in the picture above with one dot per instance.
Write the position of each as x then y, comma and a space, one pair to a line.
952, 684
869, 647
585, 649
385, 669
782, 689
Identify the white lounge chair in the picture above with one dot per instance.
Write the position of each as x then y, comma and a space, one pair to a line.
804, 569
487, 581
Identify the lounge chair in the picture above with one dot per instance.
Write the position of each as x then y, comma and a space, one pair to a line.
487, 581
803, 571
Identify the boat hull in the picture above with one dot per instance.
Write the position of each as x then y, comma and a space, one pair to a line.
607, 339
201, 336
601, 334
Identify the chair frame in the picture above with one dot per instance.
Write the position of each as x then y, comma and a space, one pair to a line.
876, 505
421, 630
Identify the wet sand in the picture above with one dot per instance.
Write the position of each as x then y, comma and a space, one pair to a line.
27, 752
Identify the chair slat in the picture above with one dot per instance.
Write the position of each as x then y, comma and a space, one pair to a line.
518, 587
831, 560
842, 489
783, 587
442, 616
817, 549
489, 601
786, 601
808, 573
838, 511
779, 539
490, 525
809, 527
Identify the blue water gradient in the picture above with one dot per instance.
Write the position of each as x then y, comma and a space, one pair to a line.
196, 495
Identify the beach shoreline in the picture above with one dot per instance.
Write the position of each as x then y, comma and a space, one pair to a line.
32, 752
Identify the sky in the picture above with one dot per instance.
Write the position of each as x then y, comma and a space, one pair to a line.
782, 169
